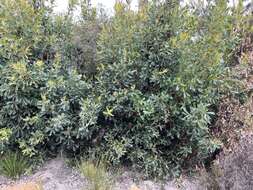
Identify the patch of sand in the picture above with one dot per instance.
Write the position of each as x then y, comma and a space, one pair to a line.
56, 175
25, 186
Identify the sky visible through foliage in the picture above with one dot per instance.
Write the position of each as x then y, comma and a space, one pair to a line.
61, 5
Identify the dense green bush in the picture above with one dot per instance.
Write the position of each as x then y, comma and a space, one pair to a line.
26, 31
152, 99
40, 89
41, 105
160, 80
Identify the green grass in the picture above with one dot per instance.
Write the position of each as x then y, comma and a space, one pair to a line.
97, 175
13, 165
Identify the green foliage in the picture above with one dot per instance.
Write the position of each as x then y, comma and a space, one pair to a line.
25, 31
41, 106
141, 87
96, 174
5, 134
161, 78
40, 95
13, 165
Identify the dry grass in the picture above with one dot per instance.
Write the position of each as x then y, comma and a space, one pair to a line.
238, 166
97, 175
209, 180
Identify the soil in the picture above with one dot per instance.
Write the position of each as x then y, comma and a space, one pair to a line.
237, 166
56, 175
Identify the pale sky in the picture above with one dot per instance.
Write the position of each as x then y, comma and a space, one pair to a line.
61, 5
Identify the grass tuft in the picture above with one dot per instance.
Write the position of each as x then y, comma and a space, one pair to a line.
97, 175
13, 165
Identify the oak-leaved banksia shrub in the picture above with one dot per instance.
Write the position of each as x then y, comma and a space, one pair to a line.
161, 72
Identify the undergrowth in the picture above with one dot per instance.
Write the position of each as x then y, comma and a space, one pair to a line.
97, 175
13, 165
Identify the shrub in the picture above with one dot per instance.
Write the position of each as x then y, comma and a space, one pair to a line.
151, 102
13, 165
160, 81
41, 106
25, 31
40, 92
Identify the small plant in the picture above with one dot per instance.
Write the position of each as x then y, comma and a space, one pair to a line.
13, 165
96, 174
210, 178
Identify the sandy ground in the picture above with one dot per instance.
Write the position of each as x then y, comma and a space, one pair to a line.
237, 166
56, 175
